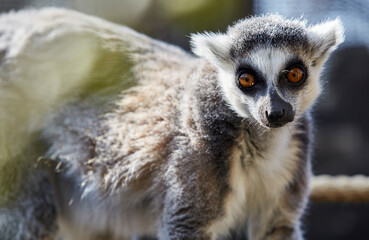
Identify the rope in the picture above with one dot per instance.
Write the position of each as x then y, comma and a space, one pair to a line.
340, 188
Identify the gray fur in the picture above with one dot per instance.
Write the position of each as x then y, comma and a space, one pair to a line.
166, 152
270, 30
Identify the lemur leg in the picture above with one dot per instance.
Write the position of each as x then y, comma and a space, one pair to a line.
180, 222
275, 224
192, 202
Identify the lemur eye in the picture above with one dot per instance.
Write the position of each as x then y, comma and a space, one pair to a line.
295, 74
246, 80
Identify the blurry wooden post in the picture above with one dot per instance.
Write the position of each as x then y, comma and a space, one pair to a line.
325, 188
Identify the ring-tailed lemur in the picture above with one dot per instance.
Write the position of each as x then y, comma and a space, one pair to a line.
108, 134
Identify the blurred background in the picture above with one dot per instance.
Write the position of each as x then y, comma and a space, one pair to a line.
342, 115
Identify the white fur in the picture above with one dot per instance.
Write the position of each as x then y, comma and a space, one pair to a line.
326, 37
212, 46
259, 185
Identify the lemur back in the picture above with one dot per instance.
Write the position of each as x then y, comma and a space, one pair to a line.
148, 140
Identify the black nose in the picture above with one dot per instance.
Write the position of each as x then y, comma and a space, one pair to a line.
275, 115
278, 112
279, 117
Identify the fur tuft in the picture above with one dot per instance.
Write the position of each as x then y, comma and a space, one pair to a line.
214, 47
325, 37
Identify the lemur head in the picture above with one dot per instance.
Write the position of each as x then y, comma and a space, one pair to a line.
269, 67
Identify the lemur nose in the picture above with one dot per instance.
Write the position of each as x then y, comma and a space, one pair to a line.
278, 112
275, 115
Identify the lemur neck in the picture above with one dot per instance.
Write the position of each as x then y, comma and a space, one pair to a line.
265, 137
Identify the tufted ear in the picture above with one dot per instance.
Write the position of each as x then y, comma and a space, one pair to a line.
214, 47
324, 38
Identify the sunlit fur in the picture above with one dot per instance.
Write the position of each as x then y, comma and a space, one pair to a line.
108, 134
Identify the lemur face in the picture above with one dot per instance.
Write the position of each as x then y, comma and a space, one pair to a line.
271, 85
269, 67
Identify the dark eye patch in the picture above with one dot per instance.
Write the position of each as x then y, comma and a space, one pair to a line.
293, 64
259, 79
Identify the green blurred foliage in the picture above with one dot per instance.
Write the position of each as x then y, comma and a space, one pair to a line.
168, 20
211, 15
172, 22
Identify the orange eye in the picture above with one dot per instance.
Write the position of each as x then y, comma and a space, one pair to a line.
246, 80
295, 74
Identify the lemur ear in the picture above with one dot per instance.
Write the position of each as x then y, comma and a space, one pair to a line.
324, 38
212, 46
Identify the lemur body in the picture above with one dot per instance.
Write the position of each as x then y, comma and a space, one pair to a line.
170, 145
